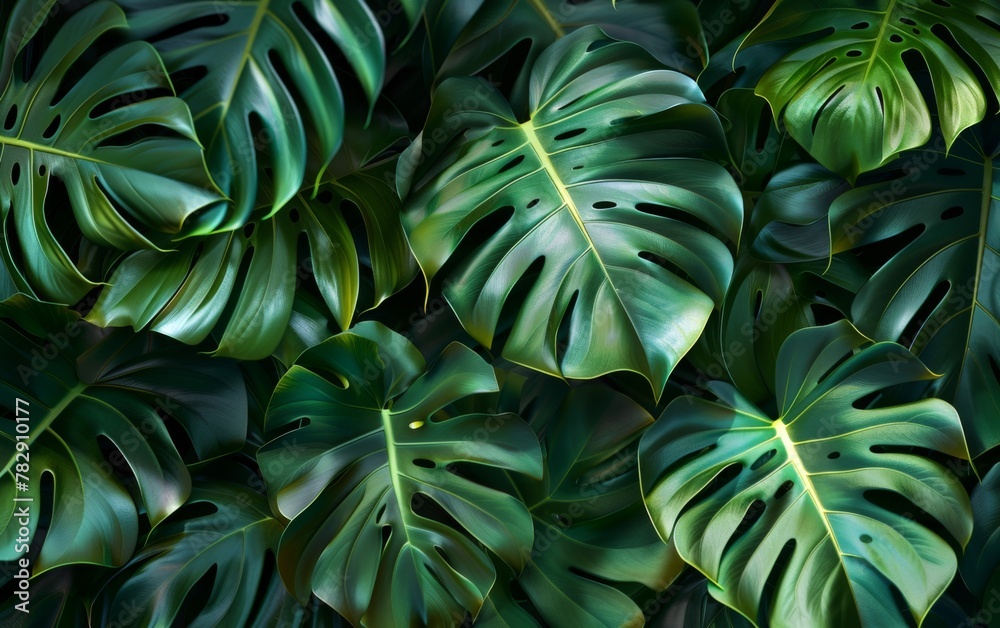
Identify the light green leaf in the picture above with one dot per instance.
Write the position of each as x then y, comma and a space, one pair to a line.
848, 96
742, 494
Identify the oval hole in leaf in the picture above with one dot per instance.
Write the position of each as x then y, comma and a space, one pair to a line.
513, 163
11, 118
570, 134
951, 172
923, 314
783, 489
952, 212
764, 459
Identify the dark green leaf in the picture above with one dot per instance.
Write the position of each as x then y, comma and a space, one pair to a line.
85, 388
605, 186
158, 180
372, 474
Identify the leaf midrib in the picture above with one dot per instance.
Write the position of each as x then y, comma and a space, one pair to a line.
394, 472
984, 221
40, 428
800, 470
879, 38
251, 35
540, 8
41, 148
528, 128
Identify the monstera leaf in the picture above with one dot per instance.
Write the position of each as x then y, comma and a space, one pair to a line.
824, 494
776, 288
93, 399
72, 127
769, 302
374, 484
232, 535
187, 293
849, 97
604, 188
759, 147
22, 21
934, 220
693, 607
591, 529
263, 82
982, 556
59, 597
468, 37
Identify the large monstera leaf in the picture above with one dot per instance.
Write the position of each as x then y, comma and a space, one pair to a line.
232, 534
73, 127
376, 471
824, 493
188, 293
848, 96
591, 528
264, 83
468, 37
605, 187
94, 400
936, 219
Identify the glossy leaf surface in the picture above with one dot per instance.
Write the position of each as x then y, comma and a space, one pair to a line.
377, 461
606, 188
741, 493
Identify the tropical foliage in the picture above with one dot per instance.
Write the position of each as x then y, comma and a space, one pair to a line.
500, 313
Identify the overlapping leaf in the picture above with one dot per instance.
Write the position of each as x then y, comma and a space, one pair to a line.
188, 293
982, 556
231, 539
465, 38
938, 294
591, 529
85, 389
